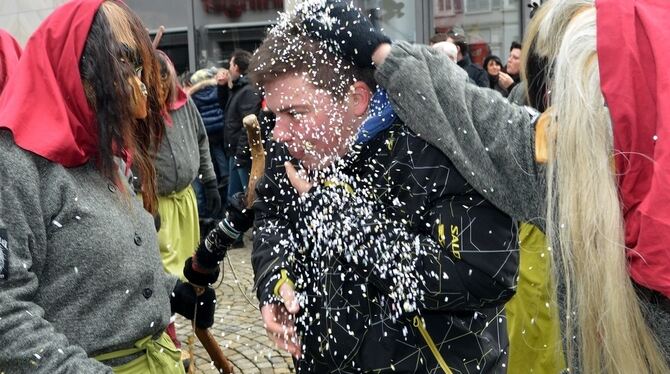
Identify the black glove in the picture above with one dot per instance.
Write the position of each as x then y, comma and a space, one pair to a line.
238, 216
201, 276
212, 198
352, 33
184, 299
203, 268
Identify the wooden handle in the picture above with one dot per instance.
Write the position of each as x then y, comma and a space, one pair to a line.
257, 155
211, 345
158, 37
214, 351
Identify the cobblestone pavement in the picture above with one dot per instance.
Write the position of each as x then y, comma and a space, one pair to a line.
237, 324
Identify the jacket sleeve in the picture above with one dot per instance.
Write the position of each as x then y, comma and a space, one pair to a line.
490, 140
274, 238
29, 342
250, 103
483, 79
467, 261
223, 92
206, 169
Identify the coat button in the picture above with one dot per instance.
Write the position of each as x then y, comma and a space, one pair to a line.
147, 292
138, 239
111, 187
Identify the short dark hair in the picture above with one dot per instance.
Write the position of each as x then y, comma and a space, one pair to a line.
515, 45
242, 59
460, 41
439, 37
490, 58
291, 51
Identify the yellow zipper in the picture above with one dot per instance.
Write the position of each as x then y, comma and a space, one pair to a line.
421, 325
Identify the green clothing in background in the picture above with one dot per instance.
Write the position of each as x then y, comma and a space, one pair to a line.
532, 314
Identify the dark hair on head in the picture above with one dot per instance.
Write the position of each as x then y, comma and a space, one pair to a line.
515, 45
492, 58
168, 77
460, 41
242, 59
291, 52
439, 37
106, 67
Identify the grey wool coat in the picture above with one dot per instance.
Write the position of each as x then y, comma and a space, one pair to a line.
82, 273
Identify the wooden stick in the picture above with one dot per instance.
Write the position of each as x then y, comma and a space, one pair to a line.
257, 156
211, 345
158, 37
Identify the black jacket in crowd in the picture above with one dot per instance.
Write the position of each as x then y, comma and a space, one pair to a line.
477, 74
462, 250
241, 100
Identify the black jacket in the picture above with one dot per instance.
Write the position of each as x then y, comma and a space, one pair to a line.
477, 74
237, 102
411, 226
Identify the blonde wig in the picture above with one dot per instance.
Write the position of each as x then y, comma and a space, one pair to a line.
604, 328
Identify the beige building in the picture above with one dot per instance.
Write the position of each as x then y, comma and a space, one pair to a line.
202, 33
21, 17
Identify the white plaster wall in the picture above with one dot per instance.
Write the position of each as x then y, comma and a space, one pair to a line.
21, 17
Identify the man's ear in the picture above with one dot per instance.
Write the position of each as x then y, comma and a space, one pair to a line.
359, 98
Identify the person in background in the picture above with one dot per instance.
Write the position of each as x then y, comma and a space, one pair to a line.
493, 66
448, 48
182, 158
438, 38
82, 289
476, 74
10, 52
513, 67
239, 99
203, 91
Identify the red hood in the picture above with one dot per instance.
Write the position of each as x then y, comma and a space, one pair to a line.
43, 103
633, 49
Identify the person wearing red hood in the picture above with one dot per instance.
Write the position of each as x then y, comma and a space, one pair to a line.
592, 170
82, 288
10, 52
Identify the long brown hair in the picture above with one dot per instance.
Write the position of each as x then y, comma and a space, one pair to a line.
117, 44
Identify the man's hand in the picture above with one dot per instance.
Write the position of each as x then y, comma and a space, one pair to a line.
279, 321
505, 80
380, 54
298, 179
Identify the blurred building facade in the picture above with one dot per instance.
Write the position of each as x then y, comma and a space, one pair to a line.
203, 33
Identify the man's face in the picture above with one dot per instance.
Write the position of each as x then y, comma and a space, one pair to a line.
316, 127
514, 61
234, 70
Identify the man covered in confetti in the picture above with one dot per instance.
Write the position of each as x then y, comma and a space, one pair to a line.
372, 253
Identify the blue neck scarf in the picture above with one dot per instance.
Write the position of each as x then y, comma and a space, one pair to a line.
381, 117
